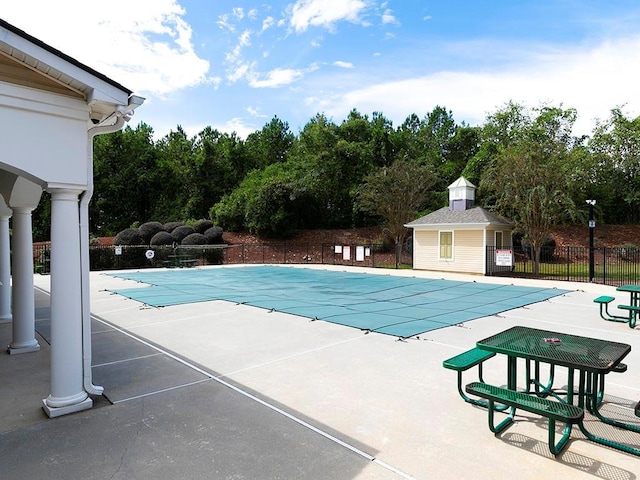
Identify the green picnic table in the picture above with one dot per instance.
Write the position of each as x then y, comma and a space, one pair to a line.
634, 302
590, 358
633, 308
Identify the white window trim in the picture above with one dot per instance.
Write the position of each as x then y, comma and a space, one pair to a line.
446, 259
495, 239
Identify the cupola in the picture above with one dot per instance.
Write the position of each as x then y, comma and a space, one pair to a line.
462, 194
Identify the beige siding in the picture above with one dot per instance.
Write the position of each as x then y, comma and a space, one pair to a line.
425, 249
468, 252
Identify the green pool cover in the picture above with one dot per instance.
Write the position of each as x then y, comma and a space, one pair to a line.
399, 306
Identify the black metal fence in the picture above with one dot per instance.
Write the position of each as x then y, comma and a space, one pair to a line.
612, 266
128, 257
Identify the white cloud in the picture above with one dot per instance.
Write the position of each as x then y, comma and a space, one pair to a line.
278, 77
342, 64
267, 23
592, 81
323, 13
237, 125
238, 12
148, 49
388, 18
245, 39
224, 23
239, 72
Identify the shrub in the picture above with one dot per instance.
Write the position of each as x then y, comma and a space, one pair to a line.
201, 226
129, 236
149, 229
213, 235
194, 239
171, 226
161, 238
179, 233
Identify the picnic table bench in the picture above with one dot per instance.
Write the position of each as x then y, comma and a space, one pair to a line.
463, 362
551, 409
633, 308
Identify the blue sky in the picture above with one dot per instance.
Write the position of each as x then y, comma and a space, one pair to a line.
234, 65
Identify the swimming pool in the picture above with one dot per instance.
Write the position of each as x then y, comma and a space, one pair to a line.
393, 305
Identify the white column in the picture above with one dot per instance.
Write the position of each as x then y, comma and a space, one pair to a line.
5, 267
22, 297
67, 391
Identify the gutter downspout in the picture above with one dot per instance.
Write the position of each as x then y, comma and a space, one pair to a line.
85, 198
122, 115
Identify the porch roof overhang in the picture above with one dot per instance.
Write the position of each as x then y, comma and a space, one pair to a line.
47, 93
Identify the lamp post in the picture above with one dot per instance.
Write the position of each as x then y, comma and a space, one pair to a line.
592, 226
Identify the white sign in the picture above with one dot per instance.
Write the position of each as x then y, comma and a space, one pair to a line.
504, 258
118, 250
346, 252
149, 254
338, 249
359, 253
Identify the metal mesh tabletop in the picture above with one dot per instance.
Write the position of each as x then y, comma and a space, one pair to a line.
629, 288
583, 353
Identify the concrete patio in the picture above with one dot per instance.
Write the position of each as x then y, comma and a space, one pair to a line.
225, 391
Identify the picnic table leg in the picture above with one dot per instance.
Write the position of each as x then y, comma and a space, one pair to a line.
570, 387
504, 423
512, 374
595, 400
591, 398
474, 401
541, 390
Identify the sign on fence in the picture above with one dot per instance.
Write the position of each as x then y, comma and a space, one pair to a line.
504, 258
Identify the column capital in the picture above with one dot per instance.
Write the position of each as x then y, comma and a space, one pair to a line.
65, 193
22, 210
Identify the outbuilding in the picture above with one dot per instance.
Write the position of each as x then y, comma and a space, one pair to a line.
462, 237
51, 107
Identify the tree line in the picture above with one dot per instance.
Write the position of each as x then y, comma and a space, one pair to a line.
363, 171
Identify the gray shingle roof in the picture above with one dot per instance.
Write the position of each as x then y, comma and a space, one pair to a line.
445, 216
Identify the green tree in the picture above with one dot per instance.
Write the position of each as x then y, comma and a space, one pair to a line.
500, 130
127, 179
176, 154
219, 165
529, 180
269, 145
395, 194
613, 176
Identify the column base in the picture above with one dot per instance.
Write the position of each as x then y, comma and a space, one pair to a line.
53, 412
26, 349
